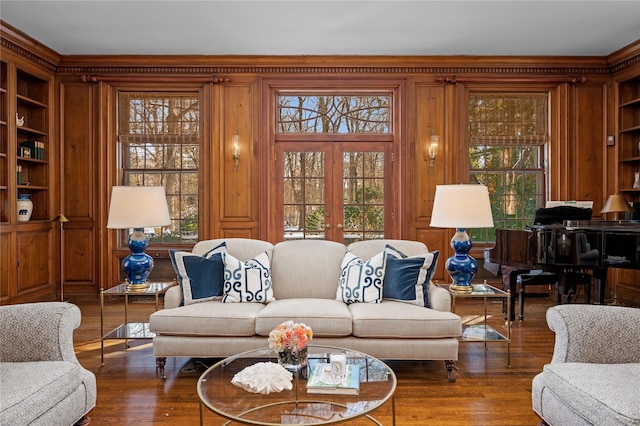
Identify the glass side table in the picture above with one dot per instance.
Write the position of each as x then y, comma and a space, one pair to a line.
129, 330
484, 332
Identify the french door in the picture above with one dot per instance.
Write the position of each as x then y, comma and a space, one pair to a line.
339, 191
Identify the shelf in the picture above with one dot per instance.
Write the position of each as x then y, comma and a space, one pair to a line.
23, 100
631, 102
630, 129
29, 130
33, 187
31, 160
131, 330
481, 333
629, 189
629, 160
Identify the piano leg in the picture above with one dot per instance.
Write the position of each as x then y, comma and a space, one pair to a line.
513, 284
600, 284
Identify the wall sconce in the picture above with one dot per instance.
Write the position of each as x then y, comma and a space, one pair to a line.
433, 150
235, 150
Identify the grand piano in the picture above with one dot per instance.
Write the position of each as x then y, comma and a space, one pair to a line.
576, 246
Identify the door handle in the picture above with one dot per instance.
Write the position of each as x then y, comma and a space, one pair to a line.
327, 225
339, 226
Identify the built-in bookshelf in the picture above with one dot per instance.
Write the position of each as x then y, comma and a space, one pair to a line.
629, 137
4, 143
32, 141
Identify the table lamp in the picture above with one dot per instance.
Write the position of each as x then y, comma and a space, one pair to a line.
461, 206
616, 203
138, 207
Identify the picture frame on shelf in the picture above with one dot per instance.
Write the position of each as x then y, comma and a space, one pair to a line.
25, 152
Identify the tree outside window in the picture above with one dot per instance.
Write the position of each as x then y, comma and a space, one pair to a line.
159, 135
507, 136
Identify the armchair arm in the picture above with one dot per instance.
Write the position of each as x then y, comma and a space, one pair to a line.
595, 333
38, 332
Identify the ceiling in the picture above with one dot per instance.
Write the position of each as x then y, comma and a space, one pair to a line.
264, 27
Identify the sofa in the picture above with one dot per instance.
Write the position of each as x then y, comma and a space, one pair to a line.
41, 381
594, 374
305, 277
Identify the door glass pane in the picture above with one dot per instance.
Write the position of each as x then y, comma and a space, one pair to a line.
304, 195
363, 196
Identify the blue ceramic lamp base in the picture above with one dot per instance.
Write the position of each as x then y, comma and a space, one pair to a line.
138, 265
461, 267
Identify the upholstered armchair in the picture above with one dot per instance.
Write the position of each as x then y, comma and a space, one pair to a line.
41, 381
594, 373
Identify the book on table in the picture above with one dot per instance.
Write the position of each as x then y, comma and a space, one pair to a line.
322, 380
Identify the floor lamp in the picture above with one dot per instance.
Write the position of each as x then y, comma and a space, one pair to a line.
61, 219
616, 204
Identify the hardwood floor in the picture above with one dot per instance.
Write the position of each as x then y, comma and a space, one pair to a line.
486, 392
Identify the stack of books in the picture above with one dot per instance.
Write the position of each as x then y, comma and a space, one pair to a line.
322, 380
36, 147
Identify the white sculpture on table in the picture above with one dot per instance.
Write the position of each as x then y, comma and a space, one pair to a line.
263, 377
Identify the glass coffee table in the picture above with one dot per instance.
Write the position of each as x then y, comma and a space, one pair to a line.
296, 406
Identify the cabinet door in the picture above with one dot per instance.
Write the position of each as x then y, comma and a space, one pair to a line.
34, 263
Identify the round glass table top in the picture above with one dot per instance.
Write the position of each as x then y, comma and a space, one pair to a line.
295, 406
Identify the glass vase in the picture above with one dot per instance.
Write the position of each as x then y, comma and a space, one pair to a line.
293, 361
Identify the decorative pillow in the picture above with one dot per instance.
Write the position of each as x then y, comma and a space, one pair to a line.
201, 277
407, 279
360, 281
247, 282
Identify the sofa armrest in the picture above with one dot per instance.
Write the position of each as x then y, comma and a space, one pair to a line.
38, 332
173, 297
439, 298
595, 333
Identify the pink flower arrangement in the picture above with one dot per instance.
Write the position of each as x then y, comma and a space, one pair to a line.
290, 336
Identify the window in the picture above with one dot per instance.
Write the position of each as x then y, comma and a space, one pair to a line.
507, 136
160, 140
333, 114
335, 167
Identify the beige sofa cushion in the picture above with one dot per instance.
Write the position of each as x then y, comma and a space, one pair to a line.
243, 249
369, 248
326, 317
391, 319
306, 268
212, 318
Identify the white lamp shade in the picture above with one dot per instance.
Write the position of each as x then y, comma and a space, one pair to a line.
461, 206
138, 207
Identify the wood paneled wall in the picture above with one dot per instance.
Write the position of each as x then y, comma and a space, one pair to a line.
232, 90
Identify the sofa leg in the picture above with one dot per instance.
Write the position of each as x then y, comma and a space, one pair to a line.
450, 366
84, 421
160, 363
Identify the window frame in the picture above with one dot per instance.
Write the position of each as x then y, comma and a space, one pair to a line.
544, 147
198, 93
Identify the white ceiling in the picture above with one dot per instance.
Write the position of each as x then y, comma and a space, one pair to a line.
265, 27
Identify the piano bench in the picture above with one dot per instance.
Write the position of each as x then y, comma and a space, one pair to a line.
543, 278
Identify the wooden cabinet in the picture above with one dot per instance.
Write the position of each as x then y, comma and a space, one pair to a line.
27, 153
629, 137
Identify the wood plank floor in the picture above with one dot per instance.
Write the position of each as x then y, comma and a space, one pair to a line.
486, 392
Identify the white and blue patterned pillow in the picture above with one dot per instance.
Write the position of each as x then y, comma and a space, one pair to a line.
360, 281
247, 282
407, 279
201, 277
